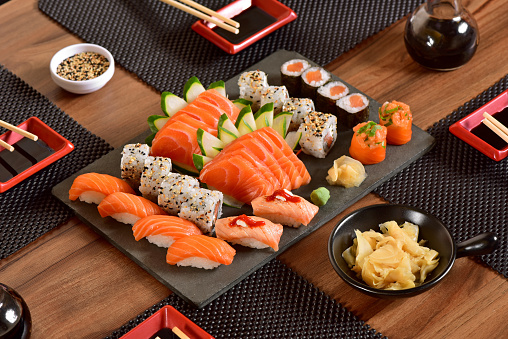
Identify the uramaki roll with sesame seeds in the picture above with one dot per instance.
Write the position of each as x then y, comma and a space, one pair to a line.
276, 95
133, 162
300, 107
154, 173
319, 132
252, 84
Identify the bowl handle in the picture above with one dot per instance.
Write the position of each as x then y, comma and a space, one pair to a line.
484, 243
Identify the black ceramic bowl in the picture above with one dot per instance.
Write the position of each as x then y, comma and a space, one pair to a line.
431, 229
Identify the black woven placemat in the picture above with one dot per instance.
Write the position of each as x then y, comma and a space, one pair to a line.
29, 209
155, 41
461, 186
273, 302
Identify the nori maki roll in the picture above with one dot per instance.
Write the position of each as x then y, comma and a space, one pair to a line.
353, 109
311, 80
328, 94
290, 73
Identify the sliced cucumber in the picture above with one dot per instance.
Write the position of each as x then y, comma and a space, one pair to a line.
241, 103
184, 169
200, 161
219, 86
245, 122
293, 139
156, 122
210, 145
264, 117
226, 130
281, 123
192, 89
231, 202
171, 103
149, 139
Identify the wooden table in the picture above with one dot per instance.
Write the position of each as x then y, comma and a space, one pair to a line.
77, 285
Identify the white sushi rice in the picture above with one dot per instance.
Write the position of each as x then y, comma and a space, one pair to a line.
345, 104
300, 107
276, 95
133, 162
325, 77
202, 207
92, 197
173, 190
249, 242
155, 171
252, 84
125, 218
319, 133
325, 90
199, 263
284, 67
161, 240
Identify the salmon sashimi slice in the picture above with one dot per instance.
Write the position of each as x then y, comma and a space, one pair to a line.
200, 251
285, 208
237, 177
203, 111
249, 231
257, 150
397, 118
127, 208
368, 144
163, 230
93, 187
192, 122
222, 102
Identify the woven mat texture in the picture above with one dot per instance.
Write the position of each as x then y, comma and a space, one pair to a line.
462, 187
273, 302
155, 41
29, 209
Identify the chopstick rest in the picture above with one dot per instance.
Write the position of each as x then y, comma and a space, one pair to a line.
496, 127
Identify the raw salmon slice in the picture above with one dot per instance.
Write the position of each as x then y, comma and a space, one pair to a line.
93, 187
222, 102
163, 230
200, 251
397, 118
368, 144
127, 208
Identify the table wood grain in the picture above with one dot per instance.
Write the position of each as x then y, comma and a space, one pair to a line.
77, 285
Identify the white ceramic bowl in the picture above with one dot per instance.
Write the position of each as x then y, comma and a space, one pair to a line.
85, 86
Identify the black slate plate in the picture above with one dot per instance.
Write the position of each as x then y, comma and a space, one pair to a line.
200, 287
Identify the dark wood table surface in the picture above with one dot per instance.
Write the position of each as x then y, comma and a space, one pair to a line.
77, 285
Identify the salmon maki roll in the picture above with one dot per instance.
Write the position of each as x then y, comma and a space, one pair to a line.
397, 118
200, 251
163, 230
368, 144
249, 231
285, 208
290, 73
93, 187
311, 79
127, 208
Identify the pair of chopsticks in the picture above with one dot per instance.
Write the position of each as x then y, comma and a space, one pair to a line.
17, 130
496, 127
226, 23
178, 332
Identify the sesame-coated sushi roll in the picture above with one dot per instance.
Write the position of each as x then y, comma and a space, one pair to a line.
251, 85
155, 171
202, 207
173, 191
300, 107
276, 95
353, 109
290, 73
311, 80
319, 132
328, 94
133, 162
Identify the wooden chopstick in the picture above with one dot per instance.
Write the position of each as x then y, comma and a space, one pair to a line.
211, 13
179, 333
202, 16
496, 127
18, 130
6, 146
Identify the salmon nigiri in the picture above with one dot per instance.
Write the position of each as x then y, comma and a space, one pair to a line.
163, 230
200, 251
93, 187
368, 144
249, 231
397, 118
127, 208
284, 207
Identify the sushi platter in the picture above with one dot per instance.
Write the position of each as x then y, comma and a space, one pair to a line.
199, 287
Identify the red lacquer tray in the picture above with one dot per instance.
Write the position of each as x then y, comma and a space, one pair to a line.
166, 318
281, 13
55, 141
462, 128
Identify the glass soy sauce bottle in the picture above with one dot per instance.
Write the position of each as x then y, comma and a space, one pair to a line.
441, 35
15, 319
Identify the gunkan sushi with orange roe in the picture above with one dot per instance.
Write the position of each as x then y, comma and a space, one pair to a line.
200, 251
163, 230
368, 144
397, 118
249, 231
93, 187
127, 208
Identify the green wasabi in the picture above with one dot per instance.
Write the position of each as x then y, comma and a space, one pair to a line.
320, 196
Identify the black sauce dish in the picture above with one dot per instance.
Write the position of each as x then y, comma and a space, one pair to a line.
432, 229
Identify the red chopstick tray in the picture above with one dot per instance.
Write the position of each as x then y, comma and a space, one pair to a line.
282, 14
55, 141
166, 318
462, 128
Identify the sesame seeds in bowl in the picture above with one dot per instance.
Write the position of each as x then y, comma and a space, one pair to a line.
82, 68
